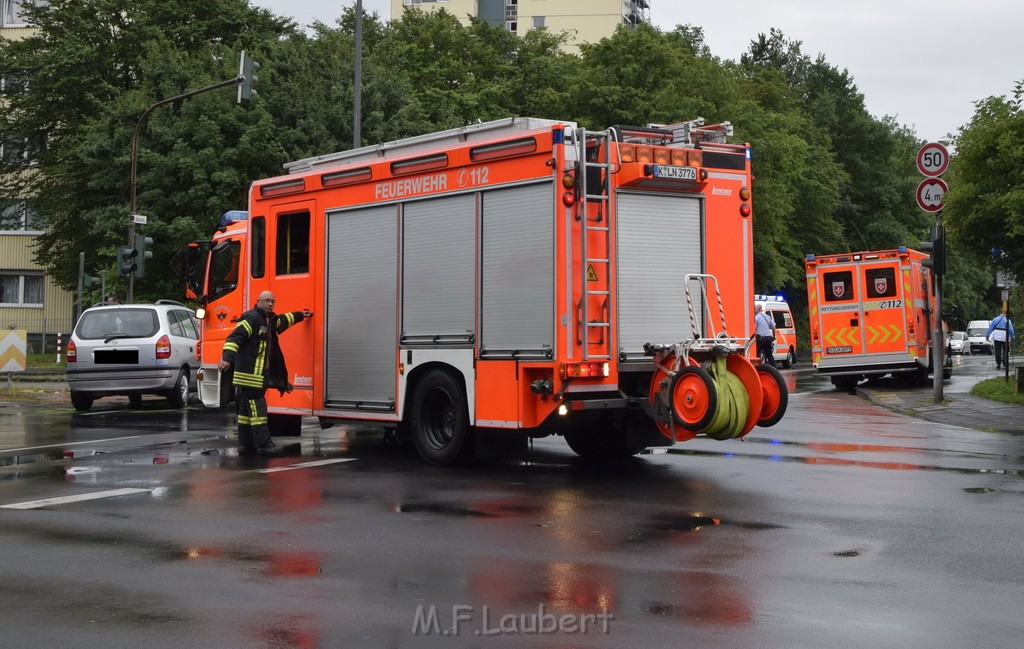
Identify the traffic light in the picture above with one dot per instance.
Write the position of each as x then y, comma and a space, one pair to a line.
126, 260
937, 248
141, 254
246, 76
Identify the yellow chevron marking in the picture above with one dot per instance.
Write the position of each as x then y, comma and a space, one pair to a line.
12, 351
853, 336
897, 332
828, 338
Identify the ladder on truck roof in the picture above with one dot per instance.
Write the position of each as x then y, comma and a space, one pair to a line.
600, 142
423, 143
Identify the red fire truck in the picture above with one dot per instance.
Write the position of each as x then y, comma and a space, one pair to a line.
523, 277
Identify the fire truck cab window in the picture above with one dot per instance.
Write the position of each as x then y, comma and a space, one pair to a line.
224, 270
259, 246
881, 282
839, 286
292, 252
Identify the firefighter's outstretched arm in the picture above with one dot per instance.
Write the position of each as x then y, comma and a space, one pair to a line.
286, 320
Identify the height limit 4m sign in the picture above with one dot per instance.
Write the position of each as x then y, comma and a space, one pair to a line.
930, 193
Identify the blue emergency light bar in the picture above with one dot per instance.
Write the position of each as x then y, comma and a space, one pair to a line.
769, 298
234, 215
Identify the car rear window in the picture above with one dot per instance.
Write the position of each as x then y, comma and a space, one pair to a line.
126, 323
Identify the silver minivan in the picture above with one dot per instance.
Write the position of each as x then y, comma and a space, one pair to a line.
132, 350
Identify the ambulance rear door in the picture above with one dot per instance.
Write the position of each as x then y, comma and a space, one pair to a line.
883, 304
839, 313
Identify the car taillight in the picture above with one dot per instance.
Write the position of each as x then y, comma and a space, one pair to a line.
199, 350
163, 347
72, 352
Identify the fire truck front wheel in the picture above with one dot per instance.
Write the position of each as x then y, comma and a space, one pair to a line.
440, 420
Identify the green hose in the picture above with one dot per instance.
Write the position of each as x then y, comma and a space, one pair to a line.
733, 402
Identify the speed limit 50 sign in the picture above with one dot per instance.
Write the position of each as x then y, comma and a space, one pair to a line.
932, 160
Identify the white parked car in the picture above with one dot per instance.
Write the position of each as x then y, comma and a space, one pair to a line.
958, 343
131, 350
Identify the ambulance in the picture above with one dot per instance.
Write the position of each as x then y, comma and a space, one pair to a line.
480, 286
871, 315
785, 328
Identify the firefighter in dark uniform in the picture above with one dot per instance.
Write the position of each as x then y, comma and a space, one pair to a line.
253, 350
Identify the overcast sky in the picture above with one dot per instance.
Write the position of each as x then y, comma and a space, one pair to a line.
922, 62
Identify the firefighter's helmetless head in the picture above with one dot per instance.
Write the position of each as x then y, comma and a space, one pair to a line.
265, 301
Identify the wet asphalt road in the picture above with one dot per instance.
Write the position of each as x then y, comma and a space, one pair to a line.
845, 525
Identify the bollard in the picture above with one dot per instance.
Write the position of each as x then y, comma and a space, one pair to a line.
58, 347
1018, 388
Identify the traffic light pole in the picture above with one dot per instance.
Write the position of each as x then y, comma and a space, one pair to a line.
129, 295
938, 340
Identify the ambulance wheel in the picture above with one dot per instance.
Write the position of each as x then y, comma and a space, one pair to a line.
774, 395
845, 382
693, 398
440, 420
789, 361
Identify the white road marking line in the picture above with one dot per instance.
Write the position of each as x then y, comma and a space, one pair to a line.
96, 495
94, 441
304, 465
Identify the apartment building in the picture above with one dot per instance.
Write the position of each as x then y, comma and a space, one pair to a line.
28, 299
586, 21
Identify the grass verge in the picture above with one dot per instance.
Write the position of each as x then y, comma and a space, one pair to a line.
998, 389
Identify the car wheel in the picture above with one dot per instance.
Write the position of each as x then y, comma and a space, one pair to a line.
81, 400
178, 397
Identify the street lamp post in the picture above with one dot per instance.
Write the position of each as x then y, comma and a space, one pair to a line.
135, 156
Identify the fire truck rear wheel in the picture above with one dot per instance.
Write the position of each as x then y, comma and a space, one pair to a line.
774, 393
440, 420
602, 437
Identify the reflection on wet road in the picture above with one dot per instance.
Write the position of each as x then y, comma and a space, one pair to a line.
843, 525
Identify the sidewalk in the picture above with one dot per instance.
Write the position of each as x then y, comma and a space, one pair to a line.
957, 408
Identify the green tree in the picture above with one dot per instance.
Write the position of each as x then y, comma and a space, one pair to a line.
984, 208
91, 70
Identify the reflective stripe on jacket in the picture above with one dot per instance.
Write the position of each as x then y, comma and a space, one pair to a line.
253, 350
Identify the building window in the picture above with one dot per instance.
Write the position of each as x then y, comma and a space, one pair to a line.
21, 290
538, 22
512, 26
12, 12
19, 216
21, 151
